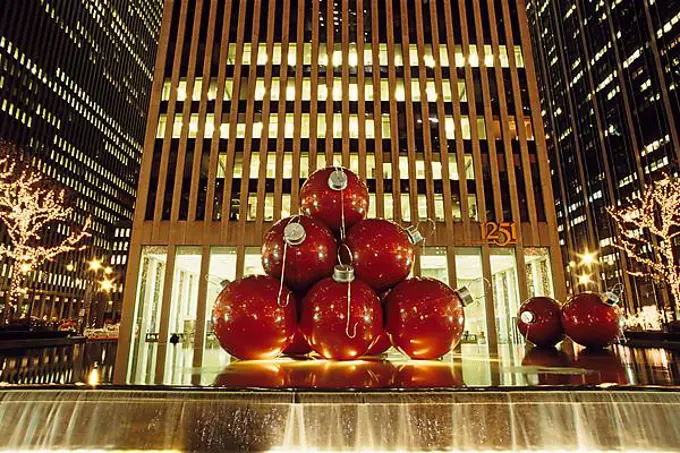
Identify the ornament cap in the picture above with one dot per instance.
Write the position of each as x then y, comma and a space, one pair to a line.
224, 283
610, 298
465, 296
414, 235
338, 179
527, 317
343, 273
294, 234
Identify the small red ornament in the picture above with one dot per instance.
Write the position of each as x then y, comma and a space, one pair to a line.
592, 319
325, 322
382, 252
539, 321
309, 247
425, 318
334, 193
251, 321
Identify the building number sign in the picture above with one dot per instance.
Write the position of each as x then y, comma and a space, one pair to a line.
499, 234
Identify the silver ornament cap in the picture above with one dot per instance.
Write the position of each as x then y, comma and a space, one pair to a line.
465, 296
343, 273
338, 179
224, 283
294, 234
610, 298
414, 235
527, 317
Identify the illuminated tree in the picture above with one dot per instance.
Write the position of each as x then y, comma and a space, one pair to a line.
647, 228
28, 204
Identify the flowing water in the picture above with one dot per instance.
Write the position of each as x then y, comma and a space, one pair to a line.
201, 420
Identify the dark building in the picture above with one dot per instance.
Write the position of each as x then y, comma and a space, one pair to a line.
75, 80
433, 103
609, 74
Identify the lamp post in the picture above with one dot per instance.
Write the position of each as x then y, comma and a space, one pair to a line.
106, 285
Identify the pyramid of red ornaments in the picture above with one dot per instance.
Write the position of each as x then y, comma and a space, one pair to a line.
337, 285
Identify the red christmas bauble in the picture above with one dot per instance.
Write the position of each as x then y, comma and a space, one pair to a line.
328, 190
248, 321
592, 319
425, 318
310, 251
382, 252
324, 319
539, 321
380, 344
428, 374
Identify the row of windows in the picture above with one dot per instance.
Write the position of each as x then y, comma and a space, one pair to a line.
405, 214
371, 170
290, 128
353, 90
472, 57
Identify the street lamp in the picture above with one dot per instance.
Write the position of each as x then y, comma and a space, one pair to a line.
95, 264
588, 258
584, 279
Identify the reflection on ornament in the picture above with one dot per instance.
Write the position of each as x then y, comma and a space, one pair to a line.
335, 201
382, 252
309, 249
248, 320
592, 319
341, 317
539, 321
424, 318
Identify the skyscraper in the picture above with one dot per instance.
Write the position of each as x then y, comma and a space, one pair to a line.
609, 74
75, 80
434, 103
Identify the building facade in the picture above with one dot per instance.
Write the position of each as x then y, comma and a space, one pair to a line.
75, 82
609, 76
434, 104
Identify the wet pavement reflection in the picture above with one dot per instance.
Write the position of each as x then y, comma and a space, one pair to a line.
514, 366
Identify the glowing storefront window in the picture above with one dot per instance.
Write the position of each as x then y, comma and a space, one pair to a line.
505, 294
147, 316
538, 272
183, 310
434, 263
222, 268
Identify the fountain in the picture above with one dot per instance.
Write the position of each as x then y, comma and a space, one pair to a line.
464, 420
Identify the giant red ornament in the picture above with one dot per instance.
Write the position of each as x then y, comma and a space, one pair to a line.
324, 319
382, 252
332, 193
310, 251
592, 319
251, 321
539, 321
380, 345
425, 318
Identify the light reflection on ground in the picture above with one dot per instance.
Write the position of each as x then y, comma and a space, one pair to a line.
472, 366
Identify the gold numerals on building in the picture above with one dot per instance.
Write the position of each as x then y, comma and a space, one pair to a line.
499, 234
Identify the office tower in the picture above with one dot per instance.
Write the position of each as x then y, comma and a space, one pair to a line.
608, 76
75, 80
434, 103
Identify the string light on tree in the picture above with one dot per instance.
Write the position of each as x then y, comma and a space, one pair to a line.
647, 227
27, 206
